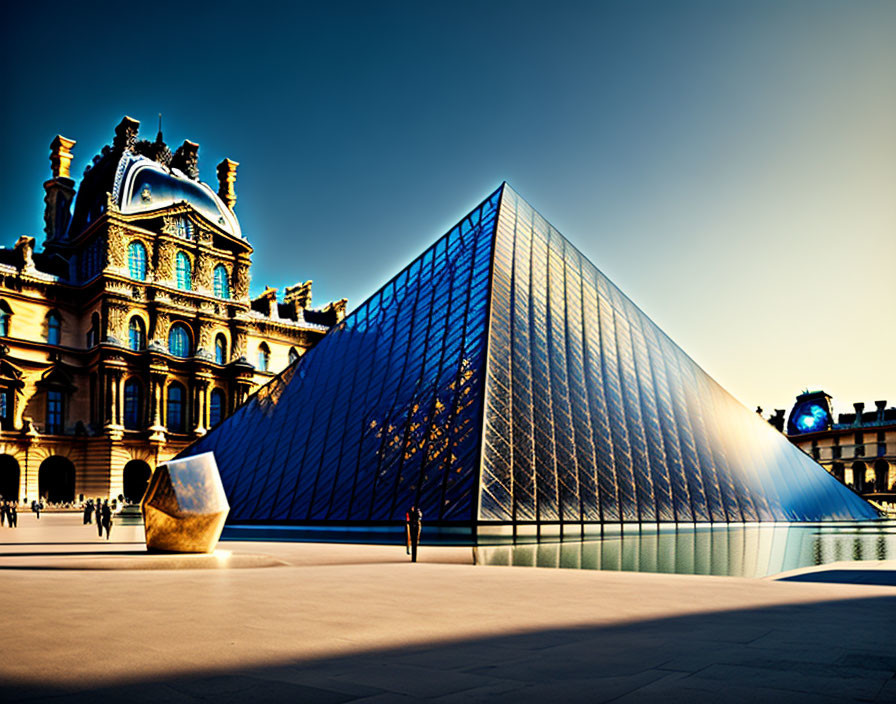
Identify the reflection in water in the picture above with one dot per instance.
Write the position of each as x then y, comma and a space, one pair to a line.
735, 551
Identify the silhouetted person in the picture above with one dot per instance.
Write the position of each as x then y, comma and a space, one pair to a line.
107, 519
414, 523
13, 515
98, 510
4, 513
88, 512
35, 507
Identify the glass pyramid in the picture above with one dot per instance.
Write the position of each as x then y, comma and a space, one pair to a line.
504, 384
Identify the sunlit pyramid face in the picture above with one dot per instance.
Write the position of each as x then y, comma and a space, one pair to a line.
500, 379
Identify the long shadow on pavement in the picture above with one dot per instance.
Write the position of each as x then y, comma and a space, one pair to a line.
833, 651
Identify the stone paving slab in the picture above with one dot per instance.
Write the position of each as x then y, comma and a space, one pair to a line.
360, 624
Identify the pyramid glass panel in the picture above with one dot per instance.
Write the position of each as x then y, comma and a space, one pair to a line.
594, 414
386, 412
501, 380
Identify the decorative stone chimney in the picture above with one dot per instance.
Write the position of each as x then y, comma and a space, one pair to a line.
60, 189
186, 158
298, 295
295, 300
777, 420
25, 249
125, 134
337, 308
266, 303
881, 407
227, 182
859, 406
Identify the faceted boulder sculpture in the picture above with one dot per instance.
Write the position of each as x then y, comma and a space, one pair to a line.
185, 507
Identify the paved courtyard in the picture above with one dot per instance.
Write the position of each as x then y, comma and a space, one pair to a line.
88, 620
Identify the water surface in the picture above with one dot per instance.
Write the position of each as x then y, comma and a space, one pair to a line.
736, 551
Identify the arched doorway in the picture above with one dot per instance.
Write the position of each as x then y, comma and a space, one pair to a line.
56, 480
858, 476
839, 471
881, 472
9, 478
136, 477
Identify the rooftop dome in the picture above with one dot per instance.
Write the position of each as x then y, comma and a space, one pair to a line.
143, 176
143, 184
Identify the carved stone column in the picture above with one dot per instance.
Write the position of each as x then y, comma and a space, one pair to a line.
157, 384
201, 387
116, 325
119, 399
113, 425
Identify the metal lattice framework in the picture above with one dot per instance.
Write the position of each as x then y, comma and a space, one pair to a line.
501, 379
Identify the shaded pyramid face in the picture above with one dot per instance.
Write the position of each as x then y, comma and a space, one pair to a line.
502, 379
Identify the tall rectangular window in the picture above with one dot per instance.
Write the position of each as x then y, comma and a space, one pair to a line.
54, 412
6, 409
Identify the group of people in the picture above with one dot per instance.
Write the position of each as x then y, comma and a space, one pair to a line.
102, 511
9, 513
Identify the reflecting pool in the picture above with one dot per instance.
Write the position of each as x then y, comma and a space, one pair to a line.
733, 550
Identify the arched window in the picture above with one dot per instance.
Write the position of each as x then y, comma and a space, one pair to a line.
179, 340
184, 272
216, 408
220, 350
222, 287
175, 418
137, 260
293, 355
264, 357
54, 328
133, 394
5, 318
136, 334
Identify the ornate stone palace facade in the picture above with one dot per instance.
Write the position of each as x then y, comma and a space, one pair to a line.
858, 448
132, 332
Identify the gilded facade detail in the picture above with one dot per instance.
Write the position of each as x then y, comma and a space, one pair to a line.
241, 280
160, 328
204, 274
165, 254
117, 321
109, 361
239, 344
117, 247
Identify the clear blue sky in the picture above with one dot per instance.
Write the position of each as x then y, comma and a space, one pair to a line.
731, 166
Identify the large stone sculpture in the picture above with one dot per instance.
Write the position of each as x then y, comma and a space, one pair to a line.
185, 507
